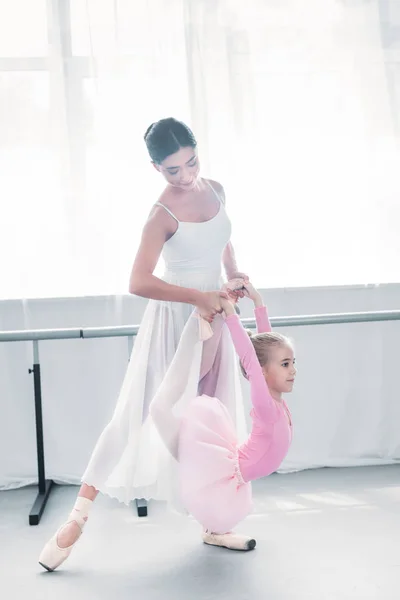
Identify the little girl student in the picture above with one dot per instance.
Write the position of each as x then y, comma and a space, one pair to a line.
214, 470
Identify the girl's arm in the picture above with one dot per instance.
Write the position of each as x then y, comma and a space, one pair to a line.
260, 310
261, 398
262, 319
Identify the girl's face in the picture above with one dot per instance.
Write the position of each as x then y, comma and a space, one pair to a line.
181, 169
280, 371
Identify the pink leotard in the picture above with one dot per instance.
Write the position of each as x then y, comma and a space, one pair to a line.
271, 432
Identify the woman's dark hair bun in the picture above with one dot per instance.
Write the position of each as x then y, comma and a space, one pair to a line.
166, 137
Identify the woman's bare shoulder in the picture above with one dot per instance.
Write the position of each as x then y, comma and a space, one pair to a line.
218, 187
167, 198
161, 218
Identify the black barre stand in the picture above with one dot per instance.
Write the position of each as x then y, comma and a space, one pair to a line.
44, 485
141, 507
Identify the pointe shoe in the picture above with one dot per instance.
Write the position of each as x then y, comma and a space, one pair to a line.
52, 556
230, 540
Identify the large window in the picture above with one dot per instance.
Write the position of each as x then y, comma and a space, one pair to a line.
296, 107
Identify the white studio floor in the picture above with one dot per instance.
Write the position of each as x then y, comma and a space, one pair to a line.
324, 534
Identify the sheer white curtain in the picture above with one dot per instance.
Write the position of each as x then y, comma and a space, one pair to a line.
296, 106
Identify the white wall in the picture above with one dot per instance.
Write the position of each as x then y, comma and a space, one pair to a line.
345, 406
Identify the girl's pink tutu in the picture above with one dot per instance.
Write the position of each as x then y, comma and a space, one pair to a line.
212, 487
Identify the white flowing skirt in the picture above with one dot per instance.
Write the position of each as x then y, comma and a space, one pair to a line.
130, 460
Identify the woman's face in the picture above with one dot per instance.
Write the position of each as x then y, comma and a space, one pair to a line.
181, 169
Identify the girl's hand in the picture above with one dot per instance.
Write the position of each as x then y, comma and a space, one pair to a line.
241, 278
251, 292
234, 288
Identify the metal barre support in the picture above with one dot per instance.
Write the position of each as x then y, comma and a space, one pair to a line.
44, 485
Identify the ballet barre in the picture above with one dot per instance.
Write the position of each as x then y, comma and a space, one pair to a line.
130, 331
329, 319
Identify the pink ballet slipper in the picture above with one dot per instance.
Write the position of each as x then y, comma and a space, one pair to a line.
230, 540
52, 555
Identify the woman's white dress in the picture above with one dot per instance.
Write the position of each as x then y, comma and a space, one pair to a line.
130, 460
